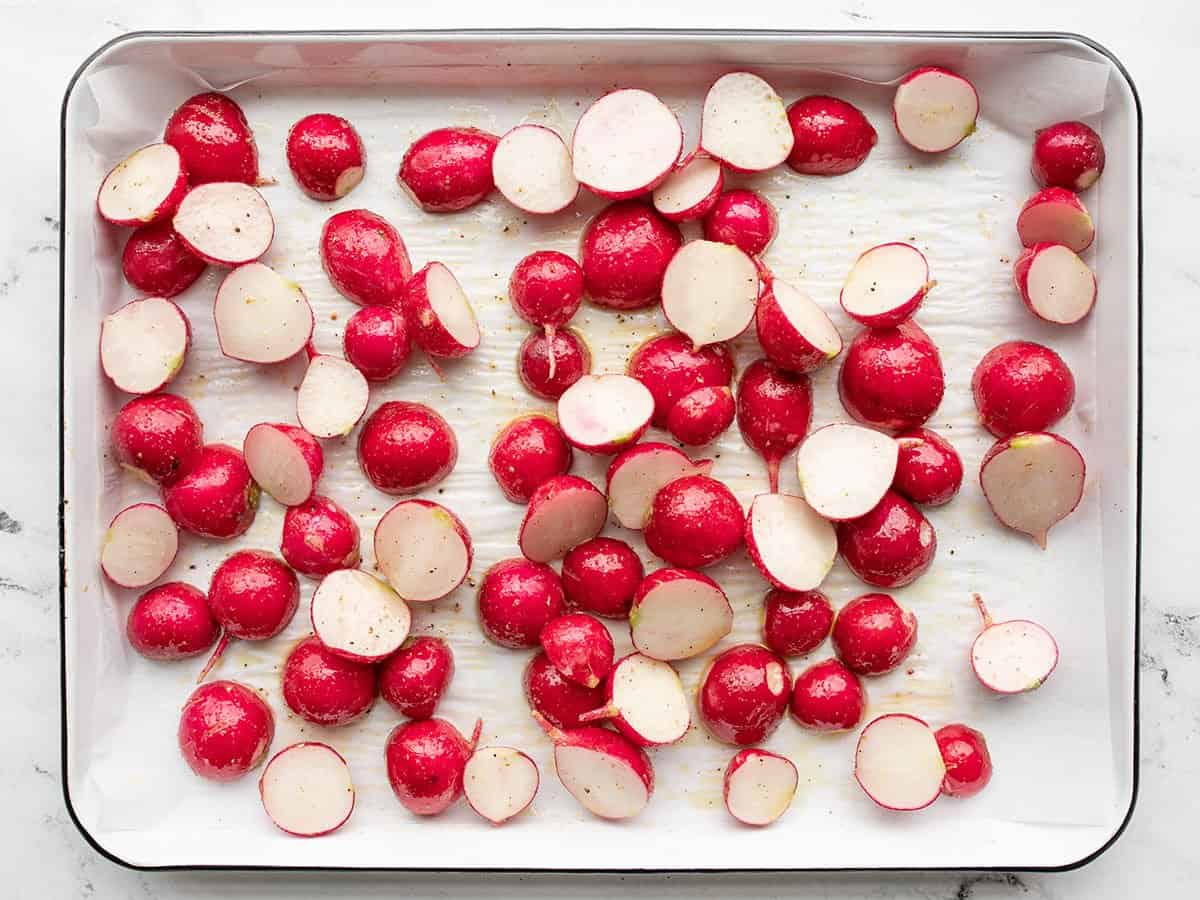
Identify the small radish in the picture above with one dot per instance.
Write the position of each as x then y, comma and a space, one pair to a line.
449, 169
702, 416
844, 470
254, 596
1022, 386
365, 258
579, 646
793, 331
645, 701
694, 521
358, 617
891, 546
928, 468
143, 345
559, 701
1055, 284
608, 774
211, 134
898, 763
225, 223
601, 576
156, 262
671, 368
934, 109
791, 545
639, 473
414, 678
422, 549
319, 537
678, 614
139, 546
377, 342
571, 359
215, 497
1055, 216
709, 292
563, 512
306, 789
158, 436
406, 447
625, 144
828, 697
744, 694
892, 378
886, 285
624, 252
517, 599
143, 188
171, 621
333, 396
774, 410
873, 634
691, 190
528, 452
796, 622
968, 763
500, 782
261, 317
743, 218
744, 124
425, 763
1067, 155
532, 169
830, 136
326, 156
224, 730
759, 786
603, 413
285, 461
324, 688
442, 320
546, 288
1012, 657
1032, 481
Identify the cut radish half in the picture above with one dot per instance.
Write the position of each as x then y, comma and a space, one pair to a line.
140, 545
886, 285
641, 472
500, 782
563, 512
437, 307
333, 396
603, 413
285, 461
143, 188
846, 469
678, 614
608, 774
261, 316
791, 545
423, 550
898, 762
1033, 481
691, 190
143, 344
794, 332
759, 786
1055, 216
934, 109
646, 702
532, 169
1056, 285
744, 123
306, 789
625, 144
1012, 657
226, 223
359, 617
709, 291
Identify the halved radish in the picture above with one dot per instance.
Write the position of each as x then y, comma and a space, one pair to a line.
1057, 216
608, 774
846, 469
143, 344
261, 317
789, 543
443, 322
1056, 285
579, 646
1012, 657
709, 291
744, 123
1033, 481
532, 169
759, 786
794, 332
1068, 155
646, 702
563, 512
359, 617
306, 789
934, 109
691, 190
226, 223
284, 460
500, 782
625, 144
333, 396
886, 285
139, 546
603, 413
678, 614
423, 550
898, 762
144, 187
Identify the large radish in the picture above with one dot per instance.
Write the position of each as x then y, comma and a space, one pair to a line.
891, 546
601, 576
744, 124
694, 521
254, 596
892, 378
774, 410
156, 262
624, 252
528, 452
789, 543
898, 763
325, 688
215, 497
406, 447
425, 764
1032, 481
678, 614
422, 549
145, 187
744, 694
709, 292
285, 460
518, 599
928, 468
832, 136
261, 316
319, 537
1021, 386
608, 774
934, 109
532, 169
845, 470
358, 617
602, 414
702, 416
333, 396
1012, 657
365, 258
639, 473
377, 342
828, 696
211, 134
225, 223
563, 513
158, 437
143, 345
743, 218
224, 730
796, 622
171, 621
645, 701
1067, 155
326, 156
306, 789
625, 144
139, 546
414, 678
873, 634
449, 169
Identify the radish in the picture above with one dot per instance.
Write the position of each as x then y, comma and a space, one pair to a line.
796, 622
528, 452
358, 617
891, 546
789, 543
639, 473
774, 412
319, 537
608, 774
845, 470
934, 109
422, 549
873, 634
602, 413
333, 396
517, 599
645, 701
546, 288
1055, 216
1067, 155
744, 124
744, 694
171, 621
531, 167
892, 378
144, 187
306, 789
830, 136
285, 460
579, 646
828, 697
326, 156
442, 320
898, 763
671, 368
425, 763
211, 134
156, 262
1056, 285
709, 291
928, 468
158, 437
886, 285
414, 678
601, 576
324, 688
554, 698
702, 416
694, 521
215, 497
691, 190
743, 218
794, 332
571, 359
254, 596
968, 763
563, 512
449, 169
625, 144
377, 342
1022, 386
143, 345
225, 223
1012, 657
405, 447
678, 614
261, 317
365, 258
500, 782
1032, 481
225, 729
139, 546
624, 252
759, 786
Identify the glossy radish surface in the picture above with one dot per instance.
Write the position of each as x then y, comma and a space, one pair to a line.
702, 416
285, 460
254, 596
830, 136
563, 512
968, 762
678, 614
624, 252
898, 763
211, 134
694, 521
579, 646
604, 413
406, 447
261, 317
646, 702
332, 398
601, 576
891, 546
744, 694
1022, 386
532, 169
671, 368
828, 696
546, 288
139, 546
744, 123
324, 688
743, 218
639, 473
608, 774
306, 789
143, 188
796, 622
1055, 216
625, 144
1055, 284
377, 342
158, 436
143, 345
934, 109
892, 378
215, 497
559, 701
225, 223
794, 332
572, 360
518, 598
1032, 481
415, 677
759, 786
443, 322
774, 409
425, 764
358, 617
928, 468
319, 537
886, 285
1012, 657
790, 544
224, 730
365, 258
422, 549
845, 469
326, 156
449, 169
528, 452
873, 634
156, 262
500, 782
691, 190
1067, 155
709, 292
171, 621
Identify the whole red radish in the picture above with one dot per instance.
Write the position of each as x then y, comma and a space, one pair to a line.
571, 359
873, 634
702, 416
528, 451
285, 460
215, 497
671, 368
600, 576
744, 694
156, 262
774, 410
406, 447
796, 622
1056, 216
828, 697
324, 688
326, 156
546, 288
449, 169
171, 621
624, 252
1067, 155
365, 258
759, 786
934, 109
224, 730
211, 134
145, 187
794, 332
743, 218
831, 136
442, 320
579, 646
695, 521
1021, 386
559, 700
144, 344
928, 468
892, 378
377, 342
425, 762
414, 678
968, 762
1055, 284
517, 599
563, 512
608, 774
319, 536
254, 596
1032, 481
891, 546
158, 436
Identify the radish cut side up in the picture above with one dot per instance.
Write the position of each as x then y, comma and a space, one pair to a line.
680, 619
761, 787
277, 465
140, 545
886, 285
1014, 657
333, 397
422, 550
934, 109
306, 789
1033, 482
789, 542
710, 291
640, 473
358, 616
846, 469
1058, 285
143, 187
691, 190
532, 169
745, 124
898, 762
500, 782
604, 785
226, 223
625, 143
143, 344
601, 413
649, 697
555, 525
261, 317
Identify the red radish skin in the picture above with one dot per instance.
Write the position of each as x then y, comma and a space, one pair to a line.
500, 783
319, 537
211, 134
1067, 155
158, 436
517, 599
254, 596
691, 190
326, 156
603, 414
695, 521
571, 359
563, 513
678, 614
702, 416
423, 550
1022, 386
377, 342
139, 546
795, 623
324, 688
1055, 284
744, 124
1055, 216
156, 262
743, 218
215, 497
608, 774
759, 786
145, 187
545, 289
579, 646
928, 468
225, 223
414, 679
624, 253
671, 368
892, 378
886, 285
144, 344
441, 317
224, 730
744, 694
640, 472
625, 144
406, 447
557, 699
601, 576
306, 789
171, 621
774, 410
934, 109
873, 634
425, 763
828, 697
831, 136
1032, 481
528, 452
645, 701
891, 546
1012, 657
898, 764
532, 169
710, 290
285, 460
365, 258
968, 762
794, 332
449, 169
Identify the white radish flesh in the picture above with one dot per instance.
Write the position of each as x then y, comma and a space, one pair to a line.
532, 169
934, 109
140, 545
1014, 657
451, 307
358, 616
604, 785
709, 291
846, 469
1033, 482
680, 619
649, 697
886, 281
634, 479
761, 788
226, 223
261, 317
792, 545
421, 551
306, 789
601, 413
141, 188
1059, 286
556, 524
745, 124
277, 465
689, 188
500, 782
625, 143
898, 762
333, 396
143, 344
807, 319
1060, 218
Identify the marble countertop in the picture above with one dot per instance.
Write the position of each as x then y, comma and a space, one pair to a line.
42, 44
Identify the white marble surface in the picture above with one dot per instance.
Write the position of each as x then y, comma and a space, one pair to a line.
44, 857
